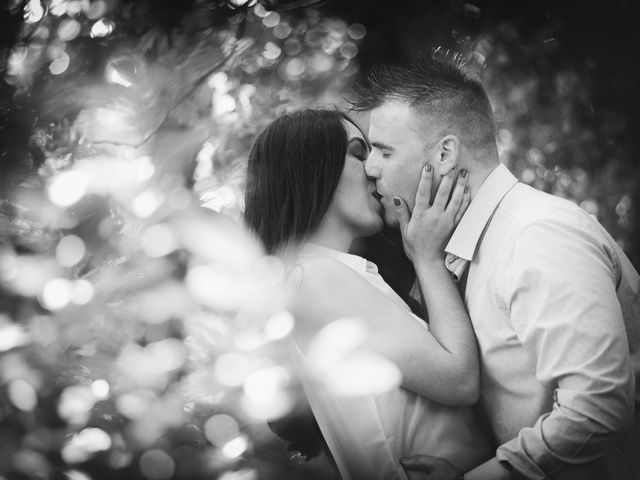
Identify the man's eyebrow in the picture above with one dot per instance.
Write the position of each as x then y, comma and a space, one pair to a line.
381, 146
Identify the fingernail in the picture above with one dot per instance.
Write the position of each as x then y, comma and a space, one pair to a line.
451, 173
428, 168
463, 173
396, 201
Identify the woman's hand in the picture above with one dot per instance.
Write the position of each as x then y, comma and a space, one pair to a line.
427, 229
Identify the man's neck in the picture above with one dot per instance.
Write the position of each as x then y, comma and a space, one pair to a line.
479, 169
477, 178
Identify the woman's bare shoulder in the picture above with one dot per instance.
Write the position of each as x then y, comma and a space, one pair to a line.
323, 290
323, 277
324, 272
322, 265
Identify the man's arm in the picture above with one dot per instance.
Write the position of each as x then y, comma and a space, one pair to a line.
559, 285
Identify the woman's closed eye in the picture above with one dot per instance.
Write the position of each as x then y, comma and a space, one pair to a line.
358, 149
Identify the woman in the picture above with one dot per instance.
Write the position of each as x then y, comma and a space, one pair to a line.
307, 191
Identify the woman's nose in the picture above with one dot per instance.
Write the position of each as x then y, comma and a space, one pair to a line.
372, 166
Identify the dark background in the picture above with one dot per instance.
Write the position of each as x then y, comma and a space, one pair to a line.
562, 76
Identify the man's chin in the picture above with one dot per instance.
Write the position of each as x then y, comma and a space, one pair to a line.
391, 219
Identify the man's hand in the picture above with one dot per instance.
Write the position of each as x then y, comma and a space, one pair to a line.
426, 230
434, 468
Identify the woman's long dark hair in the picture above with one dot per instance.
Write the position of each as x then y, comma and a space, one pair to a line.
294, 168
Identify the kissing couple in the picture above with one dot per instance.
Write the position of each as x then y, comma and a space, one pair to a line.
526, 361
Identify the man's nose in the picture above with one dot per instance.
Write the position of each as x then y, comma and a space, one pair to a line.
372, 165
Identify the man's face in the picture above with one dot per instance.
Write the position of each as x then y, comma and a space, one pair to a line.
399, 153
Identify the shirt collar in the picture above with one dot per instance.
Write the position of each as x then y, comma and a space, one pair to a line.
465, 238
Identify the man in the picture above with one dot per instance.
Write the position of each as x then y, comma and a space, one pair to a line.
553, 300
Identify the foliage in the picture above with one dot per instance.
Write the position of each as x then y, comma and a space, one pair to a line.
143, 336
561, 81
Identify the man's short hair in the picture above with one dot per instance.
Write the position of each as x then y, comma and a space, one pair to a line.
438, 86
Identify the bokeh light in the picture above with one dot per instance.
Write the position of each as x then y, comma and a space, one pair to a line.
220, 429
70, 250
100, 389
357, 31
102, 28
232, 369
336, 340
33, 11
68, 29
279, 325
76, 475
282, 30
157, 465
242, 474
75, 404
11, 335
271, 51
84, 444
266, 395
295, 68
17, 58
340, 361
57, 293
68, 187
271, 19
259, 10
236, 447
362, 373
241, 3
149, 365
22, 394
147, 202
97, 9
8, 265
82, 292
135, 403
60, 64
158, 240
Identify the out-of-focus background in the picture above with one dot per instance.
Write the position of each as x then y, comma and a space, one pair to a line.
141, 335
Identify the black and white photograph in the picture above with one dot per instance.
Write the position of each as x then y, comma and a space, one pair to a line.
319, 240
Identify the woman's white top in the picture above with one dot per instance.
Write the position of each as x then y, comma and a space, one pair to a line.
368, 434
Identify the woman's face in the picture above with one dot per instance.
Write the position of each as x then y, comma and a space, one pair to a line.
354, 204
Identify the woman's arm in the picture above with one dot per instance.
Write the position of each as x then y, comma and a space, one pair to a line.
329, 291
441, 364
425, 233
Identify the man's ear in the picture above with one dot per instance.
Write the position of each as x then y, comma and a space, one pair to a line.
447, 152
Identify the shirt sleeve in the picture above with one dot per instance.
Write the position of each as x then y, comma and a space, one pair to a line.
559, 283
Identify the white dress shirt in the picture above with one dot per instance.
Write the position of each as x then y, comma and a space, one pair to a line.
556, 310
368, 434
